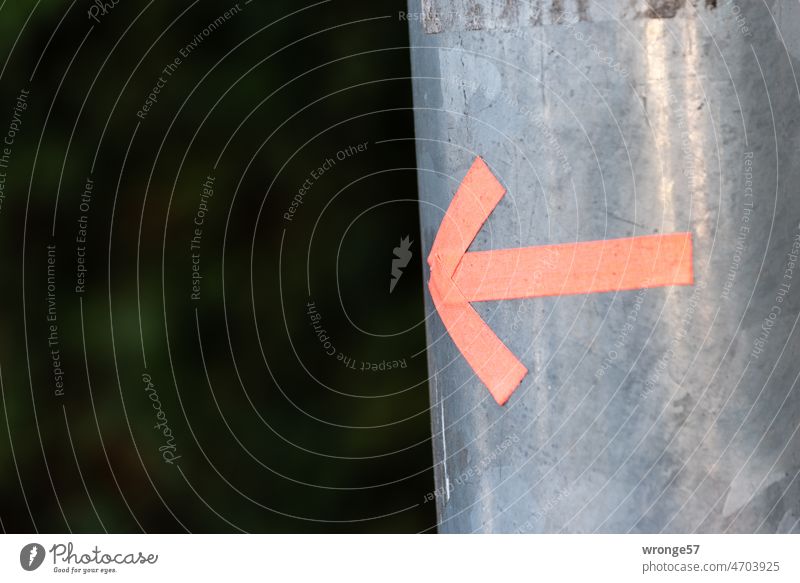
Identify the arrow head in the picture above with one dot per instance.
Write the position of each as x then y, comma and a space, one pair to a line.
491, 360
458, 277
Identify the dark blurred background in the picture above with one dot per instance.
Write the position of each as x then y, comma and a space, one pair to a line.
264, 379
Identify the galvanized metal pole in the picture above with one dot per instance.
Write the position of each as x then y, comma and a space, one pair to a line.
657, 410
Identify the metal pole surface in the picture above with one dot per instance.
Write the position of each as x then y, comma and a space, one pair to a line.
672, 409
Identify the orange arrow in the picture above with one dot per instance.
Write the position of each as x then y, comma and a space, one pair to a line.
458, 277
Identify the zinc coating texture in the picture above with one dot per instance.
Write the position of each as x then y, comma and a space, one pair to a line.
669, 410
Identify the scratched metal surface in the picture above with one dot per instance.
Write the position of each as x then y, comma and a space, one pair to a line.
450, 15
666, 410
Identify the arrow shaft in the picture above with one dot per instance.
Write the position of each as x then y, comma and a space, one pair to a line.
576, 268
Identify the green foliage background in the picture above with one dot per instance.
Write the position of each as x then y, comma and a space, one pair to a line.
274, 435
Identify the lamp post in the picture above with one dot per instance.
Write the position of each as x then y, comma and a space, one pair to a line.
654, 409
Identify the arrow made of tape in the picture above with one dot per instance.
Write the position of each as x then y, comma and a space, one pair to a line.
458, 278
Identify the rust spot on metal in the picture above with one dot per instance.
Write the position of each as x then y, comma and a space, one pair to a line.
474, 16
432, 22
557, 10
664, 8
583, 10
510, 11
